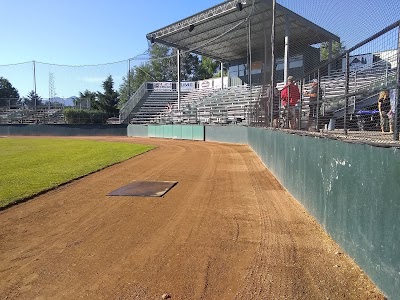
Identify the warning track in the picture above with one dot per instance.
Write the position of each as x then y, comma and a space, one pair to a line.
227, 230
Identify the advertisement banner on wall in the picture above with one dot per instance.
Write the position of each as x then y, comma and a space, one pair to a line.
188, 86
162, 86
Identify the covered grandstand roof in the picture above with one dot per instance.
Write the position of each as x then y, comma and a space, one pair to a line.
221, 32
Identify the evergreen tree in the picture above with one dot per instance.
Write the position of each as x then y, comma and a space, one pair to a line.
9, 95
85, 100
33, 100
107, 101
208, 67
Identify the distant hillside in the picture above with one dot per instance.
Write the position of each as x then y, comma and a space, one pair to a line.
65, 101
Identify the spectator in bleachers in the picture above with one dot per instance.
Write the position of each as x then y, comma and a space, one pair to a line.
290, 95
385, 113
169, 107
315, 106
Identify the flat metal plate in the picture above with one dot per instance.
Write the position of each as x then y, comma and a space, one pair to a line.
144, 188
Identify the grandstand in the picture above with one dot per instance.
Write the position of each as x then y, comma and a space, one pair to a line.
40, 115
205, 106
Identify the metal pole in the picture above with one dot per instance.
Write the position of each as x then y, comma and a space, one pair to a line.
266, 92
318, 95
273, 63
286, 58
250, 56
346, 91
178, 85
250, 75
34, 82
329, 57
396, 120
222, 75
129, 78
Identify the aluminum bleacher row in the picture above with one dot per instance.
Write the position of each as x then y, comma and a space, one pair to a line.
236, 104
29, 116
363, 82
205, 106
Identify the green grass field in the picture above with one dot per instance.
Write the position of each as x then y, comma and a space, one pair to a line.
30, 166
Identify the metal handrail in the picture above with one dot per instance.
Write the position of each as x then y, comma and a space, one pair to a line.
132, 102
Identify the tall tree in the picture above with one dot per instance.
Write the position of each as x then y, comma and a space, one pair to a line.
132, 82
9, 95
208, 67
337, 48
108, 101
162, 66
33, 100
85, 100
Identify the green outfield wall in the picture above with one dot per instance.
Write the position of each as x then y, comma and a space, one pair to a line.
351, 189
62, 130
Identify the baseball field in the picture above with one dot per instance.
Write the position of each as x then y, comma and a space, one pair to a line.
226, 230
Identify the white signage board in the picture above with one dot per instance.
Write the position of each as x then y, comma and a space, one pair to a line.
188, 86
206, 84
162, 86
358, 62
217, 83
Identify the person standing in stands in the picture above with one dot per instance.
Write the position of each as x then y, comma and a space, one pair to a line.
315, 106
290, 95
384, 109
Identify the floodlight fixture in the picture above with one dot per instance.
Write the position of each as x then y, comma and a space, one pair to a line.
191, 27
239, 6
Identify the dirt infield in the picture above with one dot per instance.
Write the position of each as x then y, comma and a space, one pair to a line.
227, 230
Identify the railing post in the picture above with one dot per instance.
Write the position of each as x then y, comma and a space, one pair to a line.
396, 120
346, 92
318, 101
301, 103
178, 84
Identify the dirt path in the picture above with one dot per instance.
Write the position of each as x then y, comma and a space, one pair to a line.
227, 230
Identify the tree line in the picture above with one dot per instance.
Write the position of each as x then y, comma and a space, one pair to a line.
160, 67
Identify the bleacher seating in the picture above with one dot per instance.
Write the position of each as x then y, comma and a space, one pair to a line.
206, 106
23, 115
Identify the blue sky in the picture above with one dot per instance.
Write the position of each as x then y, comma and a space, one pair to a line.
91, 32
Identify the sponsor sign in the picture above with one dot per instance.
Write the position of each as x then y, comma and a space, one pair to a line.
205, 84
187, 86
358, 62
162, 86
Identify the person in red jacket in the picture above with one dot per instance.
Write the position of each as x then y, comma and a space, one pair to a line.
290, 95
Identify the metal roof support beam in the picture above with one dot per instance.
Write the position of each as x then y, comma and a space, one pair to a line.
286, 58
250, 57
222, 75
329, 56
178, 84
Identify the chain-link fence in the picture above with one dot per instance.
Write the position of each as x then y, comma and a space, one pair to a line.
353, 94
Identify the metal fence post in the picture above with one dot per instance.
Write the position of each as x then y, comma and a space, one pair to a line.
317, 111
346, 91
397, 102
